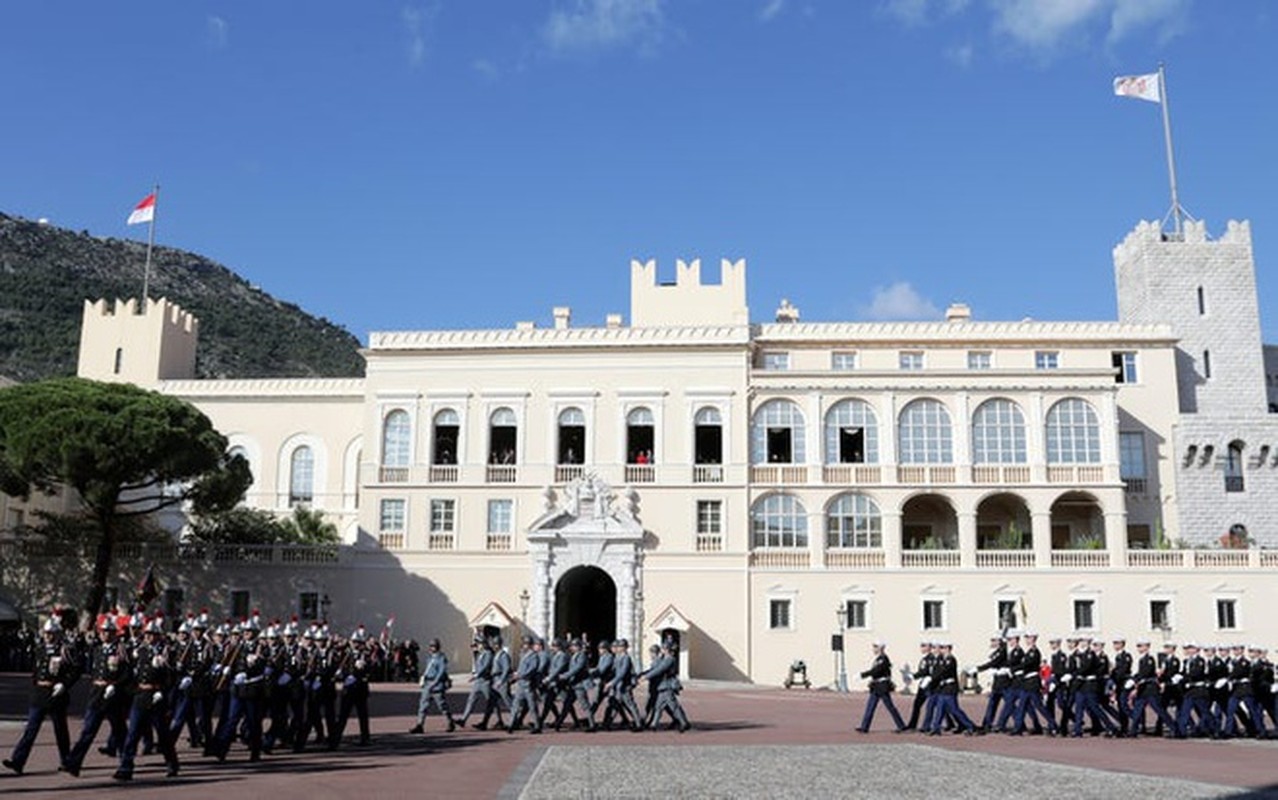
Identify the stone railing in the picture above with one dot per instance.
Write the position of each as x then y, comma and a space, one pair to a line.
1080, 559
1075, 474
709, 543
441, 541
443, 473
500, 541
780, 559
918, 474
568, 472
854, 559
992, 474
391, 541
779, 474
640, 473
189, 552
392, 474
707, 473
851, 474
1005, 559
501, 473
930, 559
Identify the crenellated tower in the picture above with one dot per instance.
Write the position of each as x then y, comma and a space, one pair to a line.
129, 343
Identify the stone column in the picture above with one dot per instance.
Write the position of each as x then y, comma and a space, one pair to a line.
967, 539
1041, 534
891, 521
1116, 537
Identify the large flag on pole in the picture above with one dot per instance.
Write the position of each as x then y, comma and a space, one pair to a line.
143, 211
1142, 87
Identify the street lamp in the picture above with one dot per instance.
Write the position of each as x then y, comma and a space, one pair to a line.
840, 661
524, 597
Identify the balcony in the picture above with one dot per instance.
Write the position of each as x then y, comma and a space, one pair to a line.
500, 541
851, 474
1156, 559
391, 541
1080, 559
1075, 475
709, 543
707, 473
991, 474
1222, 559
568, 472
392, 474
441, 541
1135, 485
779, 474
780, 559
444, 473
854, 559
1005, 559
501, 473
915, 474
930, 559
640, 473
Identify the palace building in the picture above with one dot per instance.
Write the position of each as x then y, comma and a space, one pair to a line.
754, 486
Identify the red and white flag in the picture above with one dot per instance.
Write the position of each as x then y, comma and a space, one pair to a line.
144, 211
1142, 87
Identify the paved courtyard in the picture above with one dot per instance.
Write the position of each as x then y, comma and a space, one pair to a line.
747, 742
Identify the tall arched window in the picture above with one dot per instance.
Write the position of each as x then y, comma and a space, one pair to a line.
447, 427
998, 433
1073, 433
502, 441
777, 434
851, 433
778, 520
707, 431
572, 436
639, 436
301, 480
853, 520
925, 434
1234, 467
396, 439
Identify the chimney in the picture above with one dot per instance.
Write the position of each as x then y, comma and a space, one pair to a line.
958, 312
613, 321
563, 316
525, 325
786, 312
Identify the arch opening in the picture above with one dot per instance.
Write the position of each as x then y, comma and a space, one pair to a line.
586, 604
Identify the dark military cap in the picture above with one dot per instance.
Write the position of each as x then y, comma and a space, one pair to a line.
604, 644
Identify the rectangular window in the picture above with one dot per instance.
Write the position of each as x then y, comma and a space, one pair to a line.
843, 361
1047, 359
858, 617
1125, 363
391, 515
779, 614
933, 615
980, 359
1084, 615
1131, 449
239, 604
308, 606
1160, 615
442, 516
1207, 364
1202, 301
499, 515
776, 360
1006, 614
709, 516
1226, 615
911, 359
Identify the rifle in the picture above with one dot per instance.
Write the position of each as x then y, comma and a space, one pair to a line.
227, 661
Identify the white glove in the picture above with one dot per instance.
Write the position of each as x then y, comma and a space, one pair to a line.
157, 697
158, 661
359, 663
241, 678
925, 682
109, 693
1221, 683
283, 679
217, 668
350, 680
1178, 678
252, 659
1066, 678
58, 689
1129, 684
422, 681
185, 683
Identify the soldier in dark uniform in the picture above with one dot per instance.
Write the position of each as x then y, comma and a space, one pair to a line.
352, 681
1012, 689
1147, 689
1217, 685
922, 679
151, 679
54, 671
320, 716
481, 679
434, 682
1057, 660
501, 672
1243, 693
1197, 695
1120, 677
880, 677
1262, 680
288, 689
193, 705
108, 671
527, 677
248, 673
1031, 690
1091, 674
946, 689
997, 662
1173, 690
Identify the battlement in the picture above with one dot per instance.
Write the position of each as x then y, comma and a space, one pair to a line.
173, 314
688, 301
1147, 233
126, 341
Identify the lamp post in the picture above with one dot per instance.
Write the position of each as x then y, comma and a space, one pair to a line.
524, 597
840, 661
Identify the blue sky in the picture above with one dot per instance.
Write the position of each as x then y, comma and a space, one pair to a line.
469, 163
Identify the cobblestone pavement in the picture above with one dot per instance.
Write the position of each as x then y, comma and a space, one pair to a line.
747, 742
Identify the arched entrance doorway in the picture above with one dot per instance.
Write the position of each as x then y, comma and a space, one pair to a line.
586, 603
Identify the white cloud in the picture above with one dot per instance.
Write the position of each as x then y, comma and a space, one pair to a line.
961, 54
417, 26
600, 24
217, 31
770, 10
1169, 17
900, 301
1043, 23
918, 12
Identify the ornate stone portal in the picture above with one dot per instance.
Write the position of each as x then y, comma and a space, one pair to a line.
588, 524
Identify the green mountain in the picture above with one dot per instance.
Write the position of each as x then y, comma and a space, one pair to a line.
46, 274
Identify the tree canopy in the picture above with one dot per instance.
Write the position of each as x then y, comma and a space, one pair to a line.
127, 452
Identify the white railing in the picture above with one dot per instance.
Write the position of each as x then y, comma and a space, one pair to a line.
854, 559
1080, 559
640, 473
501, 473
1135, 485
391, 541
914, 473
851, 474
987, 474
930, 559
1072, 474
1005, 559
392, 474
774, 474
500, 541
1227, 559
1156, 559
780, 559
440, 541
707, 473
568, 472
709, 543
443, 473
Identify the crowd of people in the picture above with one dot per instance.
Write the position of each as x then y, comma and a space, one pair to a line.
1078, 687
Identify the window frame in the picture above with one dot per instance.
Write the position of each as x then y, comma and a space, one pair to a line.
768, 523
383, 506
1047, 359
975, 357
494, 504
925, 440
774, 360
941, 604
784, 604
1004, 439
445, 521
911, 360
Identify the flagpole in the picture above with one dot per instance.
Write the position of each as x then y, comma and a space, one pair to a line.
1171, 160
150, 244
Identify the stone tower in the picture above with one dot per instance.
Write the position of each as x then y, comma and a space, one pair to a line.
1226, 443
126, 343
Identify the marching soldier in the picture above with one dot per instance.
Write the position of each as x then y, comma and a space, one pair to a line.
52, 675
1120, 677
1197, 695
481, 679
577, 681
1012, 689
351, 681
246, 669
194, 703
500, 684
923, 679
1147, 692
555, 693
1057, 660
944, 700
1172, 680
527, 677
1031, 690
997, 662
621, 688
1243, 693
108, 670
880, 677
151, 678
434, 682
601, 672
665, 668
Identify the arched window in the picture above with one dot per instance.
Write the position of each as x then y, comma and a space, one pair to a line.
639, 436
396, 439
707, 432
502, 441
1073, 433
779, 520
301, 480
1234, 468
998, 433
853, 520
851, 434
777, 435
447, 428
572, 436
925, 434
